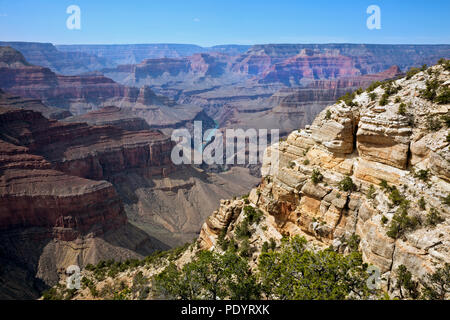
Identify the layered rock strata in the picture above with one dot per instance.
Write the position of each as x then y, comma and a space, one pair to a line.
370, 143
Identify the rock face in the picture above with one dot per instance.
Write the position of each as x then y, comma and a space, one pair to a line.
12, 101
369, 142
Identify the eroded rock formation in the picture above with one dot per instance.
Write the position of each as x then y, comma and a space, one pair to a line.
54, 194
324, 181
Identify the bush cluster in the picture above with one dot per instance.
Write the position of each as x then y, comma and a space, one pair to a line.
316, 176
347, 184
348, 99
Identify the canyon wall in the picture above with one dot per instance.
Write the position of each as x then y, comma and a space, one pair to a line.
57, 208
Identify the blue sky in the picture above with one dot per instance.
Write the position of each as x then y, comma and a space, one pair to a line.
211, 22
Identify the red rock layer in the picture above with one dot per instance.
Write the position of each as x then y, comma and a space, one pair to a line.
45, 166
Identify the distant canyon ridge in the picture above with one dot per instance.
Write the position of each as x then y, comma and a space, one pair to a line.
273, 86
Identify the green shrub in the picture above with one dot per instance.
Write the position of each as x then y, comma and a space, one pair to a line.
221, 241
253, 215
423, 175
328, 115
306, 162
273, 244
348, 99
421, 203
353, 243
390, 88
385, 186
436, 286
265, 247
371, 193
402, 109
397, 100
372, 96
433, 124
52, 294
373, 86
384, 99
295, 273
443, 97
430, 91
401, 222
384, 220
209, 276
347, 184
412, 72
316, 176
244, 250
446, 200
446, 119
407, 287
242, 231
396, 197
447, 65
433, 218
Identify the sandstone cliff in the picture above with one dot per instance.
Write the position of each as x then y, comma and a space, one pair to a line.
375, 165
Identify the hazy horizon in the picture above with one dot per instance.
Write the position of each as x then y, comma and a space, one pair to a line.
231, 44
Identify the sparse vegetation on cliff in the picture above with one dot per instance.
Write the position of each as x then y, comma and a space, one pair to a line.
402, 222
402, 109
348, 99
296, 273
433, 217
347, 184
412, 72
316, 176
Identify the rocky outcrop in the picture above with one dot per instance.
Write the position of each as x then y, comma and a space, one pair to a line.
85, 151
13, 101
323, 182
10, 58
33, 195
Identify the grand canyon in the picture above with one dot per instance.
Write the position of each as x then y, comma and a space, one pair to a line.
87, 175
